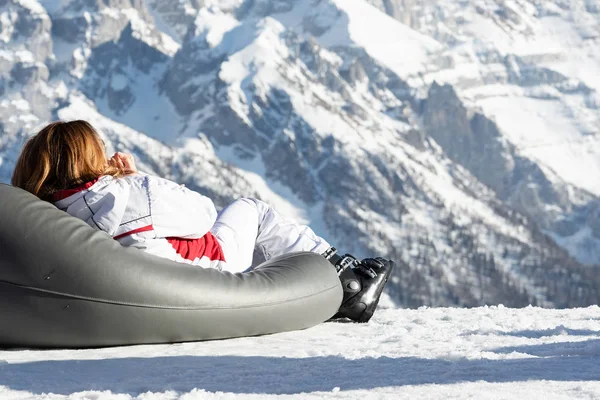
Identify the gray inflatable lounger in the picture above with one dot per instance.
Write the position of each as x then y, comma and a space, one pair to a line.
64, 284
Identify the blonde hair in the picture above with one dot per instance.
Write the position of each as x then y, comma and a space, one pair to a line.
63, 155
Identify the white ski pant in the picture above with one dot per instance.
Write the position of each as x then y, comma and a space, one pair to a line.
248, 226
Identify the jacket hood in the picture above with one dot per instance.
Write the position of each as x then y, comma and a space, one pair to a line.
100, 203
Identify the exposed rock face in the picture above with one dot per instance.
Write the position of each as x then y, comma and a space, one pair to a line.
478, 145
71, 30
27, 28
195, 59
112, 58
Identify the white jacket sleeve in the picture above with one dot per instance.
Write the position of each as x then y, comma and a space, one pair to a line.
177, 211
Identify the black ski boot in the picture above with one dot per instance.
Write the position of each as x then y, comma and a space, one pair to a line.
363, 283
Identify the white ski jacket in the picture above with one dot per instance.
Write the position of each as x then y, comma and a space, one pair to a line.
153, 214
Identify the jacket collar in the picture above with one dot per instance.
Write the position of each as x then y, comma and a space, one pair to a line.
63, 194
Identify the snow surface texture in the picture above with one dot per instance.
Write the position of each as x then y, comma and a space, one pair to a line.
433, 135
481, 353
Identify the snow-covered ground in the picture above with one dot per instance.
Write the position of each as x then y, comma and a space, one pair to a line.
432, 353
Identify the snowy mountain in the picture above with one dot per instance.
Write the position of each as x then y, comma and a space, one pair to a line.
458, 138
429, 353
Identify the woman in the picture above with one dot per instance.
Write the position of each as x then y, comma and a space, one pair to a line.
65, 163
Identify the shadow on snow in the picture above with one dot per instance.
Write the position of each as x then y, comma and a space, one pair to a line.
559, 330
570, 361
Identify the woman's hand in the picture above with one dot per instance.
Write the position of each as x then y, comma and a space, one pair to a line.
124, 162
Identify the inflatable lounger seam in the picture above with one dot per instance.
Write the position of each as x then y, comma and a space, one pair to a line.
159, 306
